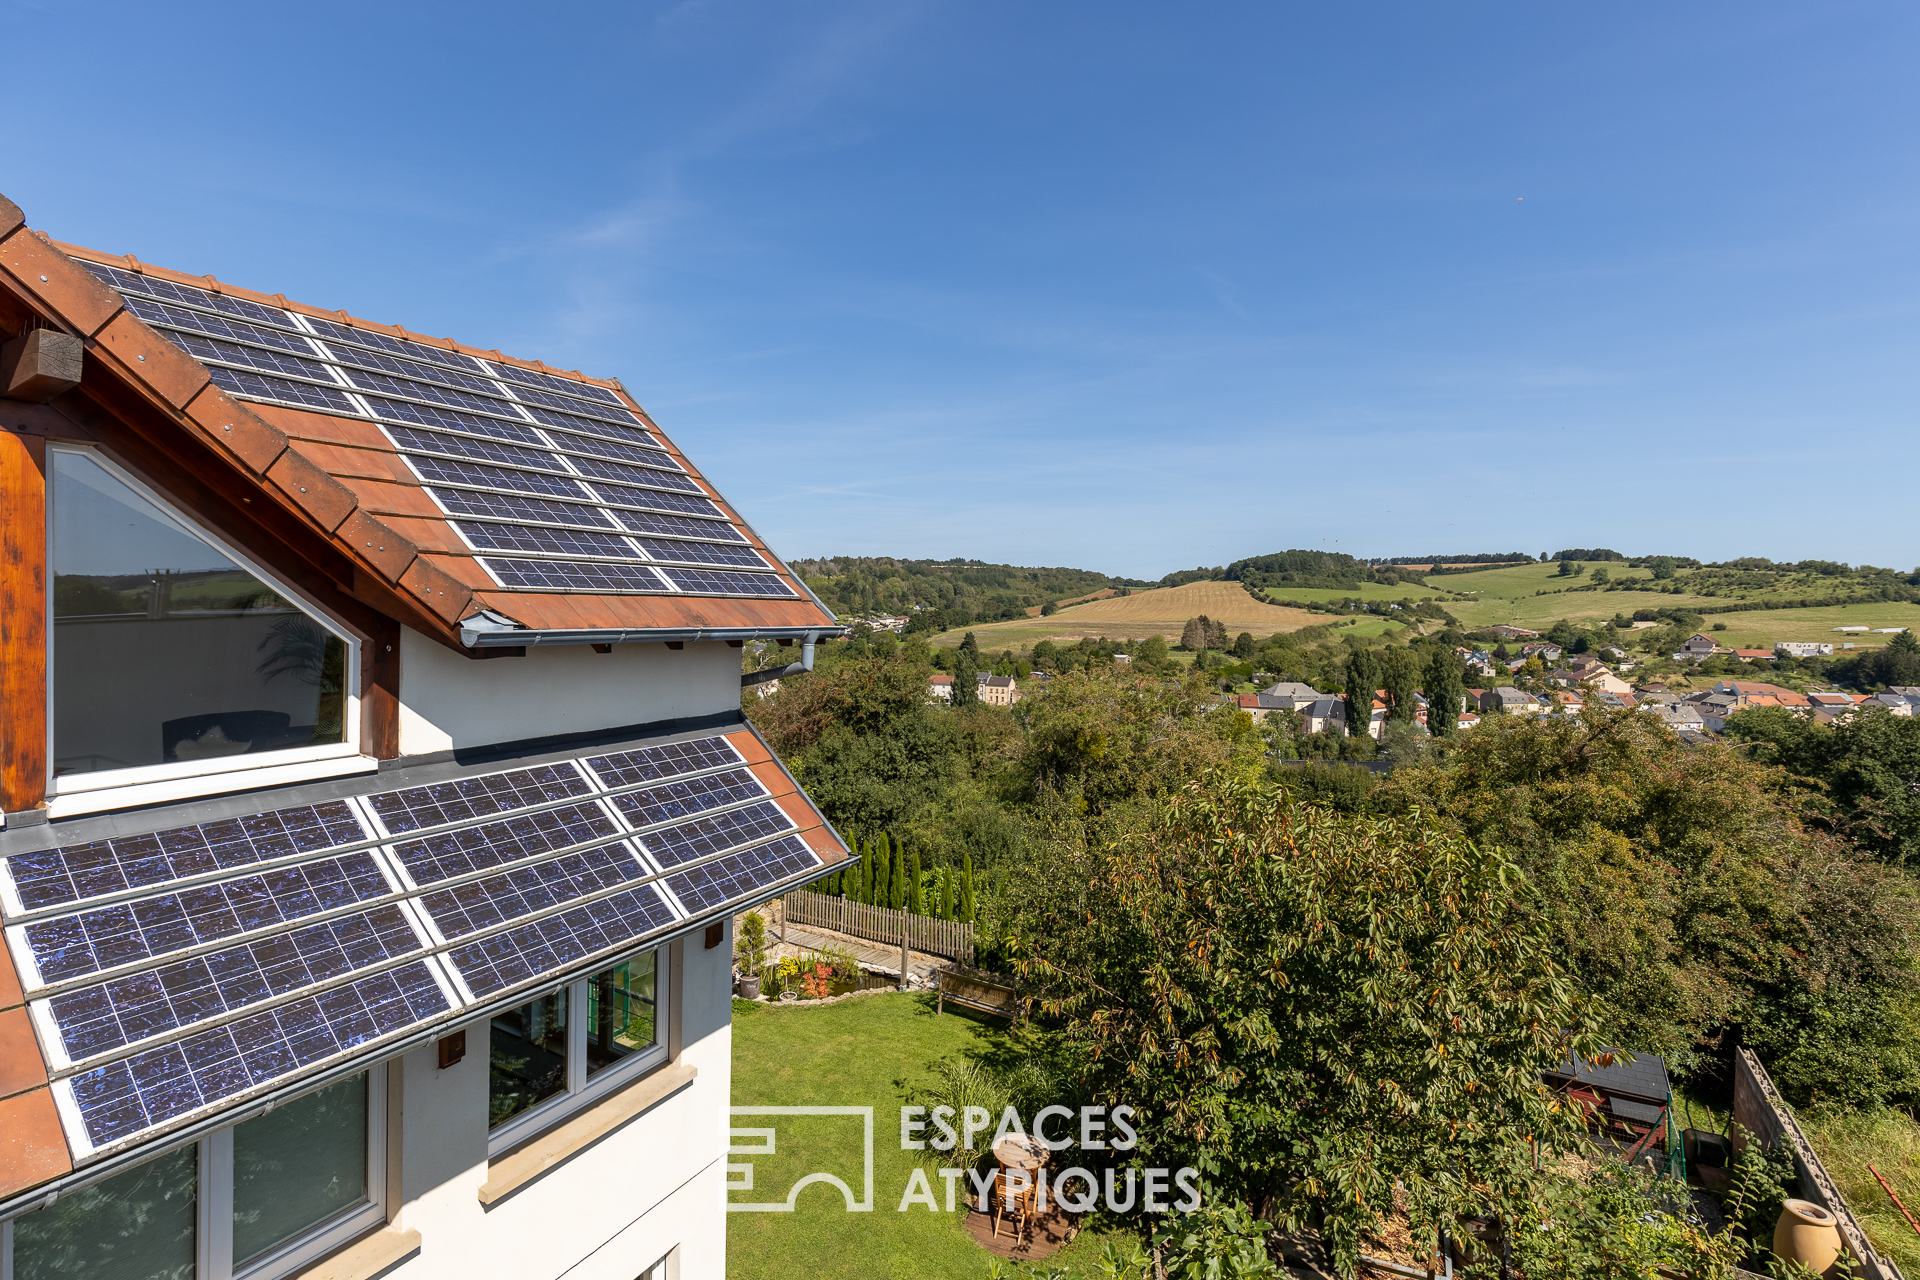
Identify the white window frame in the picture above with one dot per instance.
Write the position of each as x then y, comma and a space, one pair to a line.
105, 789
213, 1205
582, 1092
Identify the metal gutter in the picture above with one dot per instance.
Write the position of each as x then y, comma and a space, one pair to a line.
481, 632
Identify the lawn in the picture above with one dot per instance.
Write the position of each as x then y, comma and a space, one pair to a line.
864, 1052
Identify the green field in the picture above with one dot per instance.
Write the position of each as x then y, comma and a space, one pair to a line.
1759, 628
860, 1053
1365, 591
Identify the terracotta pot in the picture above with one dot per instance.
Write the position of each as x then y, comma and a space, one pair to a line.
1807, 1234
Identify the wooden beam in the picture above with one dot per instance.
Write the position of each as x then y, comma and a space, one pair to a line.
23, 622
39, 365
380, 690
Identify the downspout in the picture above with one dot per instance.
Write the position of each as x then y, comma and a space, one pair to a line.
780, 673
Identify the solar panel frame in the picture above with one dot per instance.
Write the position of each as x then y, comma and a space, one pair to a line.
492, 964
478, 475
673, 525
519, 837
541, 540
474, 906
460, 801
667, 802
521, 508
629, 474
165, 315
606, 577
712, 833
715, 582
623, 769
741, 874
672, 551
416, 440
332, 332
569, 410
248, 385
535, 378
353, 358
442, 418
213, 351
593, 447
388, 385
123, 282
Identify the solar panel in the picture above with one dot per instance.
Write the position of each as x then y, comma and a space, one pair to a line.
428, 415
703, 837
672, 800
523, 954
432, 859
76, 872
72, 946
462, 799
676, 526
130, 282
571, 575
262, 386
396, 346
650, 764
590, 426
162, 313
572, 443
150, 1088
513, 506
127, 1010
408, 389
617, 496
737, 875
414, 369
469, 907
437, 470
569, 410
218, 351
636, 475
513, 455
722, 582
564, 542
701, 552
534, 378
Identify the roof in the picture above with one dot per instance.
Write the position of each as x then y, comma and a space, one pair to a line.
542, 505
940, 677
1753, 653
996, 682
1644, 1079
151, 947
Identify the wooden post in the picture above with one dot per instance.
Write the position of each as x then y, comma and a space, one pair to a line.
904, 918
23, 623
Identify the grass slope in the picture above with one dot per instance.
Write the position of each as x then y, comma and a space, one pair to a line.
1144, 613
859, 1053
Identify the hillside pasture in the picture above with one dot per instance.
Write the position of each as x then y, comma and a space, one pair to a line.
1759, 628
1362, 591
1161, 612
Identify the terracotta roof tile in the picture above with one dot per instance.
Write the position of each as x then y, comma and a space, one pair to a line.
32, 1147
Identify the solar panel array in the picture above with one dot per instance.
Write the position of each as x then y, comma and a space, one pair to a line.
526, 450
171, 971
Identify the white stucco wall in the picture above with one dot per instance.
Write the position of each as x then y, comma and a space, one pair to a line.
449, 700
653, 1186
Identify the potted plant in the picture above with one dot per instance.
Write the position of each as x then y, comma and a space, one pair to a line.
751, 953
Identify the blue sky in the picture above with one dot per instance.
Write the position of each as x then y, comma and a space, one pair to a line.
1126, 287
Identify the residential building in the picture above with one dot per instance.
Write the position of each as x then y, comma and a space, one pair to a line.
1755, 655
1588, 673
1544, 652
1802, 648
1677, 715
998, 691
1513, 633
1697, 647
1758, 693
940, 686
361, 688
1324, 713
1510, 700
1289, 696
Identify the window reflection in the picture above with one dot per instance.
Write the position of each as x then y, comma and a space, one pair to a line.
528, 1057
621, 1013
165, 649
136, 1226
297, 1166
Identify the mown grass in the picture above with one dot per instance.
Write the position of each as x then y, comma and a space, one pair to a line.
872, 1051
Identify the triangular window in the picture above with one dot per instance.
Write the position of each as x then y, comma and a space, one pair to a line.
166, 649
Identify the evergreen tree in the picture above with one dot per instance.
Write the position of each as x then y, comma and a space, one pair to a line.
968, 907
882, 872
916, 893
946, 894
897, 888
971, 647
1193, 636
1446, 685
1217, 635
1363, 677
1401, 680
966, 679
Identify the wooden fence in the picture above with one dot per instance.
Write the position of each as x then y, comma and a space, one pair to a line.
950, 938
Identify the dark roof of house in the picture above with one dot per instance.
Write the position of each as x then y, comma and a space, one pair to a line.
458, 482
1644, 1079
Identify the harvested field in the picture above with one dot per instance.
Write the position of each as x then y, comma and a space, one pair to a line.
1161, 612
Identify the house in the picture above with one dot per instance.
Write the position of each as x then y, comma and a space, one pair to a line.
1510, 700
1899, 704
1289, 696
1582, 672
1468, 720
940, 686
998, 691
377, 796
1564, 702
1544, 652
1827, 705
1758, 693
1617, 701
1696, 647
1513, 633
1324, 713
1676, 715
1802, 648
1755, 655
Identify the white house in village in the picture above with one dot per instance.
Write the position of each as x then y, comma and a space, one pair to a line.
376, 797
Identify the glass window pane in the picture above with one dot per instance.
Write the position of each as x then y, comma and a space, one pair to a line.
297, 1166
137, 1226
621, 1020
164, 649
529, 1057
